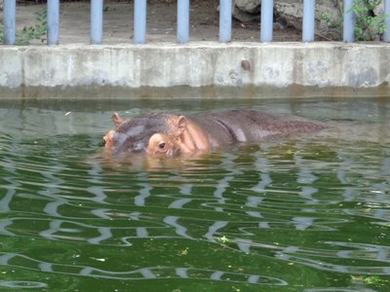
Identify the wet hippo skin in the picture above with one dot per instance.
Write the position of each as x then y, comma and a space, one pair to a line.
167, 135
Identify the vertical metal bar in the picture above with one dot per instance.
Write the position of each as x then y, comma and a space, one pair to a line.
349, 22
225, 21
9, 10
140, 7
183, 21
53, 22
96, 21
308, 27
267, 19
386, 36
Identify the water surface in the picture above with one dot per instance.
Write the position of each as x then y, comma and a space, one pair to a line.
309, 213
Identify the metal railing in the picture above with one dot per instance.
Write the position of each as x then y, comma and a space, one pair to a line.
183, 24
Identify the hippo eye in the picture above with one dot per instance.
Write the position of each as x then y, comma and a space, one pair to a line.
161, 145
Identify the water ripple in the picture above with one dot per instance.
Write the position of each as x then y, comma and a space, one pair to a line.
146, 273
305, 213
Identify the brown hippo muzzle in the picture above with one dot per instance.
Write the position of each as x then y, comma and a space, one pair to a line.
156, 134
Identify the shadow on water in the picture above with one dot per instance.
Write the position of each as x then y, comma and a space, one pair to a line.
303, 213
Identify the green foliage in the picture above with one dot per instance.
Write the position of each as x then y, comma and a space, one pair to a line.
29, 33
33, 32
373, 280
368, 25
1, 33
331, 22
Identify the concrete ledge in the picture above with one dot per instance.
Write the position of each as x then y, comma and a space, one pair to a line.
139, 69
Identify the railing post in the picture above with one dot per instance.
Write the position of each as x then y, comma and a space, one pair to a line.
267, 19
53, 22
140, 7
349, 22
386, 36
96, 21
183, 21
308, 27
9, 10
225, 21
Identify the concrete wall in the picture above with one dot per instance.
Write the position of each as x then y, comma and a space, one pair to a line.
39, 71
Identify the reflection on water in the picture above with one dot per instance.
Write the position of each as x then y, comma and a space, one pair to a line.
302, 213
147, 273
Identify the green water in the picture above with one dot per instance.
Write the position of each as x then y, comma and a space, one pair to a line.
298, 214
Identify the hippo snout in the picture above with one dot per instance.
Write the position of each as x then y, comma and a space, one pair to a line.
119, 142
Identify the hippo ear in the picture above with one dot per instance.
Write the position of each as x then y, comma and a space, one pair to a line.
181, 123
178, 124
117, 120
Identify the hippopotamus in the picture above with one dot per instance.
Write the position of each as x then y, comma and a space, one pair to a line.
169, 135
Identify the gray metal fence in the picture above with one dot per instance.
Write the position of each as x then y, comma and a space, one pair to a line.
183, 18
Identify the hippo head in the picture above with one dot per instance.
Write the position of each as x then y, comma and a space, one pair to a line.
156, 134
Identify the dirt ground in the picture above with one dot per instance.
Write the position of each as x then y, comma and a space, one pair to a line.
161, 26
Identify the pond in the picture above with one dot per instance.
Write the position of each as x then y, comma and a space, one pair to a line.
308, 213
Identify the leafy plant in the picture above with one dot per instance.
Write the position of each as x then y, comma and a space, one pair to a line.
368, 25
333, 24
33, 32
29, 33
1, 33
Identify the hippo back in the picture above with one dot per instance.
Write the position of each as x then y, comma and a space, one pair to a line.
251, 126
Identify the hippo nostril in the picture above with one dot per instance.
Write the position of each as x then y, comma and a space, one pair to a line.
102, 143
138, 147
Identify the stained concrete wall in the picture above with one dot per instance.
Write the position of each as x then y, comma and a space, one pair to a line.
30, 71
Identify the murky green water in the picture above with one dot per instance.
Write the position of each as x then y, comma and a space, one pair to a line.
298, 214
